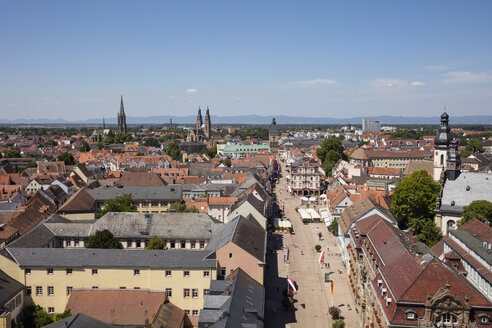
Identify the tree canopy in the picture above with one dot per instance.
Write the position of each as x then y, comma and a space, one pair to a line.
118, 204
173, 150
11, 154
478, 209
330, 152
155, 243
152, 142
84, 147
67, 158
211, 152
104, 239
179, 207
474, 146
414, 202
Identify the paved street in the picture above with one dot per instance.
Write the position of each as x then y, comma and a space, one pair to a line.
314, 296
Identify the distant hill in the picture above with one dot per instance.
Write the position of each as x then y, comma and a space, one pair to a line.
259, 119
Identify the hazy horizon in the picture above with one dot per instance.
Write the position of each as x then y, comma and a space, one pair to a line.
72, 60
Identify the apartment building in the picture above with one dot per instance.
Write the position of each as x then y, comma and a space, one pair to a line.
51, 274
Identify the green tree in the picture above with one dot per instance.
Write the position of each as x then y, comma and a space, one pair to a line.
99, 146
330, 152
104, 239
333, 227
475, 146
49, 143
11, 154
152, 142
339, 323
478, 209
227, 162
414, 202
84, 147
140, 153
155, 243
210, 152
179, 207
41, 317
118, 204
121, 137
67, 158
173, 150
58, 317
430, 233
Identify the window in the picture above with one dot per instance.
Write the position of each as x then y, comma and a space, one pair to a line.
223, 271
51, 290
129, 243
76, 243
202, 244
94, 272
206, 274
50, 270
173, 244
195, 313
69, 290
484, 319
187, 312
122, 287
411, 315
39, 290
186, 293
193, 244
136, 272
28, 290
183, 244
206, 292
95, 287
51, 310
69, 271
27, 271
168, 273
230, 255
169, 292
186, 274
194, 293
138, 244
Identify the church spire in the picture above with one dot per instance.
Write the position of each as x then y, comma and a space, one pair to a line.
104, 124
122, 108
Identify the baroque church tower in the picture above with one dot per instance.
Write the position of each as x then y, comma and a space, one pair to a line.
201, 132
447, 161
122, 118
273, 135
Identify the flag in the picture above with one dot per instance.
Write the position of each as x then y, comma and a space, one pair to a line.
332, 287
321, 257
287, 252
291, 283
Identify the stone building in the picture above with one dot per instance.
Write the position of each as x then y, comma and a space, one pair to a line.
202, 131
122, 118
273, 135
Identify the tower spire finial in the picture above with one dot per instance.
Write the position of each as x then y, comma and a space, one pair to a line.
445, 108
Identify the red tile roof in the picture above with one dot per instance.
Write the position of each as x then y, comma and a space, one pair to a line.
117, 307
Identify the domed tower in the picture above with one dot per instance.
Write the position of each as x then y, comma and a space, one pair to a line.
208, 125
441, 146
273, 135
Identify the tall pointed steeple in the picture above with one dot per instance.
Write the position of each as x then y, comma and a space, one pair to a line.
104, 124
122, 117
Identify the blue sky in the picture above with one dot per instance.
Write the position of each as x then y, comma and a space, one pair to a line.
73, 59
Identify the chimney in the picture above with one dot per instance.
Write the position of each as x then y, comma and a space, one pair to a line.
231, 275
227, 291
411, 236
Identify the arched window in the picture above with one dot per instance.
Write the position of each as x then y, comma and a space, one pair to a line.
442, 159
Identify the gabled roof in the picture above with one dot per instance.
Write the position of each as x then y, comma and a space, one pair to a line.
9, 288
118, 307
81, 201
79, 320
243, 305
246, 233
358, 210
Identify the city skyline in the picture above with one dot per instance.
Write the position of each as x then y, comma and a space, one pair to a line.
73, 60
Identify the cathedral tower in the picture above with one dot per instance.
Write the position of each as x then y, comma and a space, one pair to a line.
122, 118
199, 121
208, 125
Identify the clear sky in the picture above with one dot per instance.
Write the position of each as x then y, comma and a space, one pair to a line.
73, 59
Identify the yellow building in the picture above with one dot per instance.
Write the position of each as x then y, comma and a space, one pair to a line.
50, 274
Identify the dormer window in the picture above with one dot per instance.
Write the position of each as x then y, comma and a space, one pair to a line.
483, 318
411, 315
